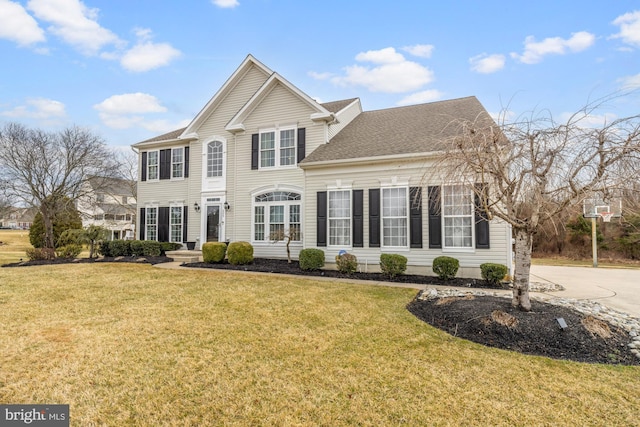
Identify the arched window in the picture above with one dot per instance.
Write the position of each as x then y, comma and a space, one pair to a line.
277, 215
214, 159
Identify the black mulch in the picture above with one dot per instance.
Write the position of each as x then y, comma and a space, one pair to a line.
129, 259
283, 267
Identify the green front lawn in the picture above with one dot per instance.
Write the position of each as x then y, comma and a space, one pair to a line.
138, 345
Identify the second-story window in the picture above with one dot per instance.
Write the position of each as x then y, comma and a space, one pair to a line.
177, 163
152, 165
214, 159
278, 148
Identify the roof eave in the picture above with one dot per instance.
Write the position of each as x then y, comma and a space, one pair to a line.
368, 160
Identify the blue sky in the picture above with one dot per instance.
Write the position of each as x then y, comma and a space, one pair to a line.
131, 70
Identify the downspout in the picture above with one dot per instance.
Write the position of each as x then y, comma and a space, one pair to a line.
235, 181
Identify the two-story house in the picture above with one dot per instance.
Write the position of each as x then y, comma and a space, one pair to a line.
263, 159
109, 203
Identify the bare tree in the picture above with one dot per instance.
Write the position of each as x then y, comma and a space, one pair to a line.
46, 170
534, 169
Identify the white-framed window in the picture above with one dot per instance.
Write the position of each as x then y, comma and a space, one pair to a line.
395, 217
215, 153
339, 216
177, 162
151, 223
278, 147
153, 160
175, 223
276, 215
457, 215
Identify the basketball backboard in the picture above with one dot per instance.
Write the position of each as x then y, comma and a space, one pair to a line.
599, 208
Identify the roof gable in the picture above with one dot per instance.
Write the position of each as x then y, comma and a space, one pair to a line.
236, 124
231, 82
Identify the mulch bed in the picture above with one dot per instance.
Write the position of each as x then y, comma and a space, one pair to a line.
283, 267
494, 322
129, 259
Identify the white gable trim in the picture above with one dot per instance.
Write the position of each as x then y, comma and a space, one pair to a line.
236, 124
223, 91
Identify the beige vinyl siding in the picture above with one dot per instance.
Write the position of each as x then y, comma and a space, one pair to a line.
279, 108
419, 259
344, 118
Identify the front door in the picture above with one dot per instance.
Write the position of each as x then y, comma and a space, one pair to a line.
213, 223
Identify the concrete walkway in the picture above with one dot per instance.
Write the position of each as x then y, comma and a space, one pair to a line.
615, 288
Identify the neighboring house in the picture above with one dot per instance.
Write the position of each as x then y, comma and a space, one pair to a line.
18, 218
263, 158
109, 203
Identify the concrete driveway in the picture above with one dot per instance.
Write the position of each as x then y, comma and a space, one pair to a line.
616, 288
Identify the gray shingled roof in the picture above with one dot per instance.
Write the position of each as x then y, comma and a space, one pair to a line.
113, 186
403, 130
174, 134
335, 106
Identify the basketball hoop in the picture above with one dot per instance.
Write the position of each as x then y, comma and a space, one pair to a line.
606, 216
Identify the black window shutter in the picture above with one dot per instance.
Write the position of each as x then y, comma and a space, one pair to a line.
165, 164
358, 220
255, 150
144, 166
374, 217
321, 218
186, 162
301, 144
185, 221
163, 224
415, 216
435, 218
481, 220
143, 228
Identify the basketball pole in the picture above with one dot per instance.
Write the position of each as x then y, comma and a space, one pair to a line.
594, 241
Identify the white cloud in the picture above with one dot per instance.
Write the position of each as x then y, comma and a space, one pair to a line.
629, 24
630, 82
131, 109
391, 73
146, 55
37, 108
535, 51
590, 120
74, 23
226, 4
420, 50
319, 76
421, 97
17, 25
487, 64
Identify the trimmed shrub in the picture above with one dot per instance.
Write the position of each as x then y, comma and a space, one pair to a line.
214, 252
445, 267
40, 254
151, 248
240, 253
493, 273
120, 248
69, 251
347, 263
393, 265
311, 259
137, 247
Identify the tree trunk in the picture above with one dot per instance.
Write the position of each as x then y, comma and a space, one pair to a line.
521, 299
49, 242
